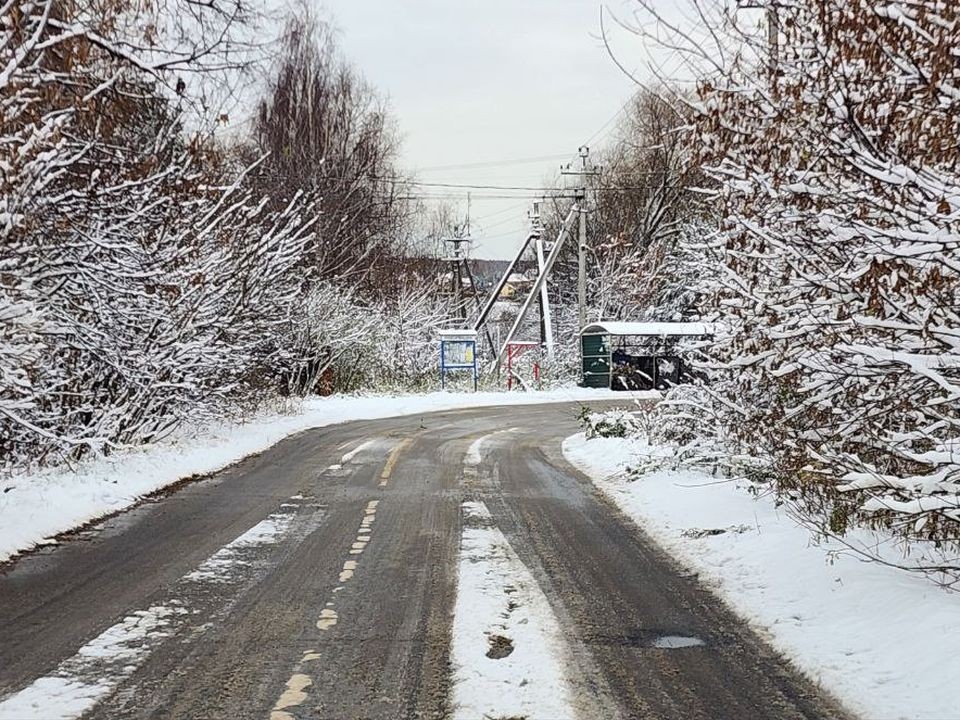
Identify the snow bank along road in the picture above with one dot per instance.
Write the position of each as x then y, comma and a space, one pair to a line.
449, 565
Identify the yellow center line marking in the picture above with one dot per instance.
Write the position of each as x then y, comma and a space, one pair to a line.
392, 461
296, 689
328, 618
292, 696
348, 568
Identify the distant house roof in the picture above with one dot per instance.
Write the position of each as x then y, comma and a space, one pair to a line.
649, 329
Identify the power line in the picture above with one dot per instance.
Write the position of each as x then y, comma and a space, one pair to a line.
512, 219
485, 196
517, 188
464, 186
512, 233
494, 163
511, 208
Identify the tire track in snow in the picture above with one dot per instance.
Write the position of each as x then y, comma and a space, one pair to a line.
99, 667
507, 649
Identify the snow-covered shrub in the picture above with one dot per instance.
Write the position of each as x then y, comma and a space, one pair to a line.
140, 279
341, 342
840, 284
150, 274
616, 423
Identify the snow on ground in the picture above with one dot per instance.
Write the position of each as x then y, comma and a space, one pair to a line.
40, 505
882, 640
507, 645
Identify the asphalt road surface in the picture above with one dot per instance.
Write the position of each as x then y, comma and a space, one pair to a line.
318, 580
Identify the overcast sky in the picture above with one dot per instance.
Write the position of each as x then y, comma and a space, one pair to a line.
473, 81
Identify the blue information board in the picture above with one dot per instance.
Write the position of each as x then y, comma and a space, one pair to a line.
458, 353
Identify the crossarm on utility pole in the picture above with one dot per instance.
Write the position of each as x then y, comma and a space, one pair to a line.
541, 279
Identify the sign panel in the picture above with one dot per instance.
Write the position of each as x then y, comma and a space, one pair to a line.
458, 352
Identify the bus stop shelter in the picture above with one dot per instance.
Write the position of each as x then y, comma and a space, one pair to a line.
636, 355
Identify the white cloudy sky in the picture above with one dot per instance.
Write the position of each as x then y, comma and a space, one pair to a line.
474, 81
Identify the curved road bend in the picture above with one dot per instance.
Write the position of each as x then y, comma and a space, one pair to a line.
318, 580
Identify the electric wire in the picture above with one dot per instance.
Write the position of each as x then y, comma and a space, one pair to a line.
494, 163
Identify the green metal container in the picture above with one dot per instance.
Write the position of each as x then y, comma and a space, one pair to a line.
595, 354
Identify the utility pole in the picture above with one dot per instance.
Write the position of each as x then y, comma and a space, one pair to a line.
585, 170
456, 273
773, 41
565, 231
458, 264
460, 268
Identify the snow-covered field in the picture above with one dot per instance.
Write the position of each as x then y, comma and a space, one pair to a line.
882, 640
35, 507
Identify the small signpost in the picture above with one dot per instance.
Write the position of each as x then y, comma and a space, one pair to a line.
458, 352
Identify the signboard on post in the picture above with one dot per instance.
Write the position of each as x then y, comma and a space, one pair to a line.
458, 353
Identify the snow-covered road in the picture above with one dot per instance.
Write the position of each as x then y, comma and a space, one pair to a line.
442, 565
37, 506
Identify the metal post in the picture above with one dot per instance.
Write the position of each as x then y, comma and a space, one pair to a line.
582, 263
541, 279
474, 365
546, 321
443, 370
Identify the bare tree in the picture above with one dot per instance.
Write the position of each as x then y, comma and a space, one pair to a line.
325, 131
642, 202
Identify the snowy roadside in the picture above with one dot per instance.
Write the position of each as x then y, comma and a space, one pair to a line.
38, 506
881, 640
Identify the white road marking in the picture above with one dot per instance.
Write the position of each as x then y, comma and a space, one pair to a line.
358, 449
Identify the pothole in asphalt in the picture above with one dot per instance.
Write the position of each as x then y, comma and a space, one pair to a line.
674, 642
500, 647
